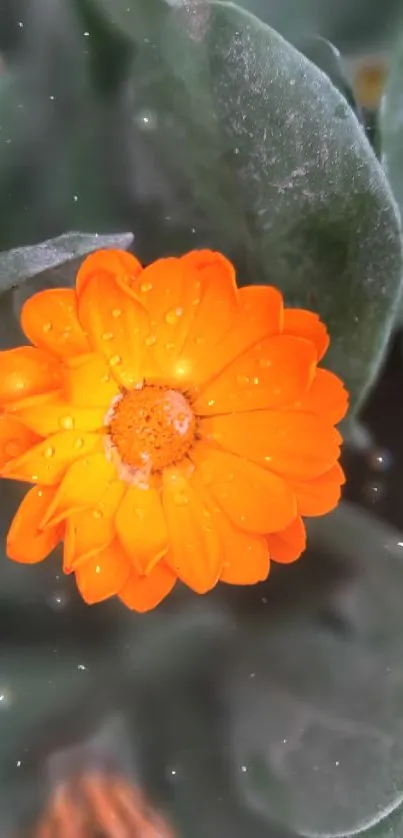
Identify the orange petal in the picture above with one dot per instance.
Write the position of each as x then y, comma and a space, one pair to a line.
26, 542
88, 382
245, 557
195, 550
259, 316
123, 266
141, 527
214, 313
89, 531
48, 461
273, 373
26, 371
15, 438
117, 327
296, 444
286, 546
49, 320
82, 486
317, 497
142, 593
326, 397
169, 290
50, 412
255, 500
307, 325
103, 575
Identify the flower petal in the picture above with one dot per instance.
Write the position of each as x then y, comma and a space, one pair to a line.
26, 371
47, 462
142, 593
214, 313
273, 373
307, 325
26, 542
117, 327
297, 444
82, 486
246, 557
142, 528
50, 412
49, 320
89, 531
255, 500
326, 397
88, 381
259, 316
15, 438
195, 550
123, 266
102, 576
286, 546
169, 290
317, 497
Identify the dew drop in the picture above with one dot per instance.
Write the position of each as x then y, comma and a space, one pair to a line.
181, 499
150, 340
66, 422
115, 360
11, 449
211, 402
169, 346
146, 286
34, 478
79, 443
243, 379
46, 328
96, 513
264, 363
116, 312
172, 316
105, 378
256, 379
107, 336
49, 452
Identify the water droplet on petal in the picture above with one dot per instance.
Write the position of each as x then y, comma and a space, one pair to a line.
146, 286
12, 449
150, 340
243, 379
211, 402
48, 452
46, 328
265, 363
169, 346
105, 378
79, 443
172, 316
96, 513
115, 360
107, 336
116, 312
66, 422
181, 499
256, 379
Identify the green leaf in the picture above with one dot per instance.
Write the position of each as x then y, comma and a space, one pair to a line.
321, 218
23, 263
315, 688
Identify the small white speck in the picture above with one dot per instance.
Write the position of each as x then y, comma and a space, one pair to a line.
20, 24
75, 198
82, 667
86, 34
244, 769
52, 98
18, 763
252, 675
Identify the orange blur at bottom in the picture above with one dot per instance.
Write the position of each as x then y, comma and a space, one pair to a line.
99, 806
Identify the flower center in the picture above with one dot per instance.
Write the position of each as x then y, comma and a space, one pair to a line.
152, 427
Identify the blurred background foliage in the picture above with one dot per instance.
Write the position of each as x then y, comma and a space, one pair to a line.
277, 711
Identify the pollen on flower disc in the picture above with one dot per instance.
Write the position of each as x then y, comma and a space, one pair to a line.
153, 426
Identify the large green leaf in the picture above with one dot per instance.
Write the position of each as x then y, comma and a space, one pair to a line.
315, 689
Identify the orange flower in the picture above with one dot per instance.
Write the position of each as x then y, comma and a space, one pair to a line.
94, 804
173, 425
